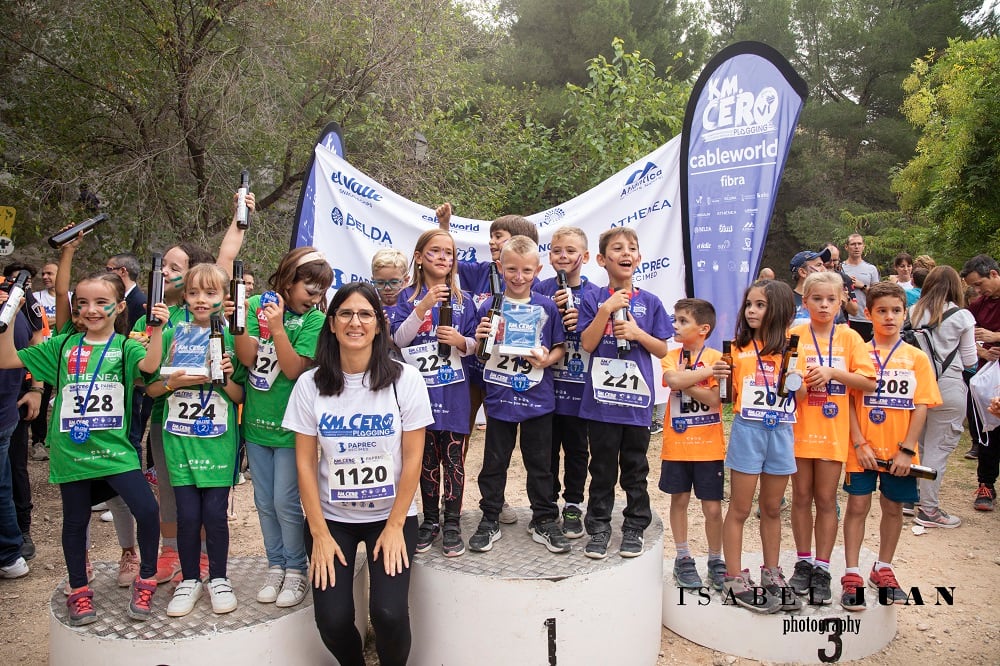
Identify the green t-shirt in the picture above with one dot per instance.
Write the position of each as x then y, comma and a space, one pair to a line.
97, 379
205, 460
268, 389
178, 313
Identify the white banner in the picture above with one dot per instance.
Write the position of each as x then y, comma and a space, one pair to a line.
356, 216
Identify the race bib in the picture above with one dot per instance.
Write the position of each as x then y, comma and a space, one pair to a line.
103, 409
688, 413
365, 476
435, 370
754, 405
186, 415
817, 397
895, 390
265, 369
619, 382
511, 371
573, 366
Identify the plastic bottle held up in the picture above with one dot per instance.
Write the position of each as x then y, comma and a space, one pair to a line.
726, 383
563, 281
58, 239
484, 348
266, 299
13, 304
216, 346
155, 291
242, 212
445, 312
238, 292
789, 383
686, 400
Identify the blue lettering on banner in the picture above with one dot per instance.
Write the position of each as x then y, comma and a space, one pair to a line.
358, 425
351, 186
719, 157
466, 254
459, 226
351, 222
650, 269
641, 213
637, 180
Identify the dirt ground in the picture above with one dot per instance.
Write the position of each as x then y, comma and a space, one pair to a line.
966, 558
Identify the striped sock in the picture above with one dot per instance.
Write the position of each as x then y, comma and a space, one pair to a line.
714, 555
682, 550
823, 564
806, 557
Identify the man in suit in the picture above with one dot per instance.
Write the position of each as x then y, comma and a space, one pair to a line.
126, 266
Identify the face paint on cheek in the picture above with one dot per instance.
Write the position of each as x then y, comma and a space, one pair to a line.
109, 309
217, 307
177, 282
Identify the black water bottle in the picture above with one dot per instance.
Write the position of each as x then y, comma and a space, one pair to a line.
155, 291
58, 239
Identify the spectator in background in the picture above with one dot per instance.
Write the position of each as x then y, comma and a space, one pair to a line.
46, 298
903, 265
766, 274
913, 293
248, 280
863, 275
849, 302
126, 266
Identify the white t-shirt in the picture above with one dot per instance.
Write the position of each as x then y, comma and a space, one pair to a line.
360, 435
47, 301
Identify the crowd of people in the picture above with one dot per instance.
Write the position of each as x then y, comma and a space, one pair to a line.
837, 378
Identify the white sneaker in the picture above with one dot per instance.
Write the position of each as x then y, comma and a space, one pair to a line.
19, 568
268, 593
293, 589
106, 517
103, 506
185, 597
223, 597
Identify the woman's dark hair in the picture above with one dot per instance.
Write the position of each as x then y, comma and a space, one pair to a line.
196, 255
382, 371
777, 317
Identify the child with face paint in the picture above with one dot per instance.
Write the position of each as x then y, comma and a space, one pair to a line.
177, 260
200, 436
92, 373
279, 345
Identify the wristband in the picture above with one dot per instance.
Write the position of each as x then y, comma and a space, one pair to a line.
166, 386
36, 389
909, 452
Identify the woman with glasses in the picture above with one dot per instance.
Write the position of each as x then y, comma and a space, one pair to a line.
277, 346
359, 421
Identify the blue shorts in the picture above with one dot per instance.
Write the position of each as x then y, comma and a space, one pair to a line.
754, 448
705, 476
895, 488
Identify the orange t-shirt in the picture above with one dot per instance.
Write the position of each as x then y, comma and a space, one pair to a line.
753, 382
701, 437
817, 435
906, 381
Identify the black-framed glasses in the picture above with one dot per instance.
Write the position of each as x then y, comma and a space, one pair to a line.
112, 269
388, 284
364, 316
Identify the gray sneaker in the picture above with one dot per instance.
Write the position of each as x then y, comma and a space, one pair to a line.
686, 573
745, 593
717, 574
773, 580
507, 514
802, 577
936, 518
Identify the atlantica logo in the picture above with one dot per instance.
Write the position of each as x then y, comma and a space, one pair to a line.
641, 178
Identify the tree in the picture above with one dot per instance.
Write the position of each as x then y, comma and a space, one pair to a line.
953, 98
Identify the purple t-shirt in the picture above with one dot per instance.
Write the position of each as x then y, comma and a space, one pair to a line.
506, 404
449, 402
648, 312
570, 393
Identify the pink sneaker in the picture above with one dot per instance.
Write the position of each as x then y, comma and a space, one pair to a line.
168, 565
128, 568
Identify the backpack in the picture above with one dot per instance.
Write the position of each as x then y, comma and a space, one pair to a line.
921, 338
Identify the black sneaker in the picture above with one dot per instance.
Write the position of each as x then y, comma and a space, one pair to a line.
451, 542
28, 547
820, 594
487, 532
550, 534
801, 577
631, 543
745, 593
572, 522
597, 548
426, 534
908, 509
985, 498
686, 573
717, 574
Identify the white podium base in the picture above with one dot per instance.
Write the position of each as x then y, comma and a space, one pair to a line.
817, 634
252, 634
520, 604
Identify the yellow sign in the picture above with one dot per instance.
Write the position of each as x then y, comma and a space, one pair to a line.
7, 214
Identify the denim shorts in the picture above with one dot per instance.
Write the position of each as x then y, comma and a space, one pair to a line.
895, 488
754, 448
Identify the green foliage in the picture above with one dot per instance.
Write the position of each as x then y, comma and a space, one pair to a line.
952, 97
